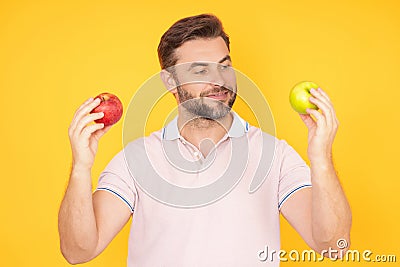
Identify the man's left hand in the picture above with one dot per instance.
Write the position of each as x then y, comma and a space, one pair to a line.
322, 127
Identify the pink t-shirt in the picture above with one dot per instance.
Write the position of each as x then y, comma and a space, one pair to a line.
231, 230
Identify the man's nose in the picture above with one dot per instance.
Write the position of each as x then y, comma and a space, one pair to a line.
216, 79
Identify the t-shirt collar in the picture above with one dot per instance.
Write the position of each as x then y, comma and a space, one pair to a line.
238, 128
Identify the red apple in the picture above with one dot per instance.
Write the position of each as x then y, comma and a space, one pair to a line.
111, 106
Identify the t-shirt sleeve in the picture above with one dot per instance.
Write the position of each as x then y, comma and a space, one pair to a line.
116, 179
294, 173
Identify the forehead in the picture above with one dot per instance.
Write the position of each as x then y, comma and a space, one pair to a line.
212, 50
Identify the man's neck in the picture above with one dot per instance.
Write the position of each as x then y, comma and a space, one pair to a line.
198, 130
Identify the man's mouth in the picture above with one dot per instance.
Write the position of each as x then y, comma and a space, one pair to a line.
220, 95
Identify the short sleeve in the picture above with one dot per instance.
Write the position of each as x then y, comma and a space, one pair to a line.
294, 173
116, 178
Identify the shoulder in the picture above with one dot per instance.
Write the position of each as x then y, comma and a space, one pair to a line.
255, 134
268, 141
133, 147
152, 139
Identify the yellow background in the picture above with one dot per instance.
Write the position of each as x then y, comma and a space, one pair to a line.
56, 54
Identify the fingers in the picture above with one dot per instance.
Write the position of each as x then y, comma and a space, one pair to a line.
86, 120
83, 117
324, 94
321, 99
83, 105
334, 117
320, 120
84, 109
318, 98
308, 121
84, 134
101, 132
90, 129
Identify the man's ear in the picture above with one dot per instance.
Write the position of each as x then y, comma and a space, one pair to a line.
169, 81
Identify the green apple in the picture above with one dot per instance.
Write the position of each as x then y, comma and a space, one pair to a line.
299, 96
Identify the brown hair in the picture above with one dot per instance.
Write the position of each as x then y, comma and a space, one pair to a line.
186, 29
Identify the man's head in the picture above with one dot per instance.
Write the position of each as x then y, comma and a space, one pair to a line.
204, 26
194, 55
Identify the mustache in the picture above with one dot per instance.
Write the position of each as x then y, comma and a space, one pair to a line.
221, 89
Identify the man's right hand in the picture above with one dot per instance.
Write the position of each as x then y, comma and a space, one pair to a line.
84, 135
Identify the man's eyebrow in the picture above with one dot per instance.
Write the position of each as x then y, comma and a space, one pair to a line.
195, 64
205, 64
227, 57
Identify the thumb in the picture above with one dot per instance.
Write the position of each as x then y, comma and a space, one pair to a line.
308, 120
99, 133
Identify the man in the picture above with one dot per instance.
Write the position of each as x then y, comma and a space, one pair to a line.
231, 230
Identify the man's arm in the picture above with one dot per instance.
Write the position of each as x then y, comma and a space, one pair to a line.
87, 222
320, 214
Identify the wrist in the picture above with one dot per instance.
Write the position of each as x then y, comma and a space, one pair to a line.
320, 156
322, 169
323, 163
80, 168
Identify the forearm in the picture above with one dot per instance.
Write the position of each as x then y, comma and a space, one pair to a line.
77, 223
331, 214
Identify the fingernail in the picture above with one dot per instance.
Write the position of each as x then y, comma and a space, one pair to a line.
312, 90
101, 114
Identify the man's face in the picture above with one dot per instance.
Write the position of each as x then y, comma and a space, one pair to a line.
206, 81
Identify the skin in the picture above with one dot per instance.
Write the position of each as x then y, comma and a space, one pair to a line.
321, 214
88, 222
193, 130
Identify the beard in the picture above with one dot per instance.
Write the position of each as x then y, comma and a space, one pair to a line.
206, 108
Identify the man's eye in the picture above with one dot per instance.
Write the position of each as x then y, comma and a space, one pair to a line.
202, 71
224, 67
